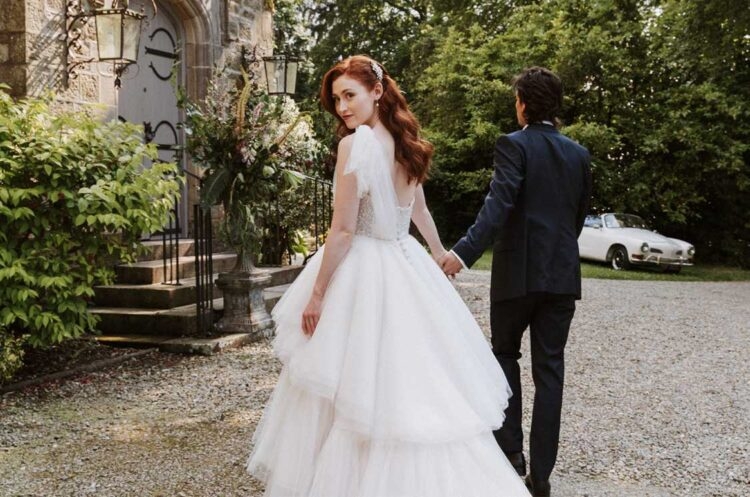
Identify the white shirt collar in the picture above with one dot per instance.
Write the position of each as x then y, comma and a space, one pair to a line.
548, 123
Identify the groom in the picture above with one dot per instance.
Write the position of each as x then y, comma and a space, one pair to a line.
534, 212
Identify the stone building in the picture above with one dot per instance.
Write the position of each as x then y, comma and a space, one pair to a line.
35, 57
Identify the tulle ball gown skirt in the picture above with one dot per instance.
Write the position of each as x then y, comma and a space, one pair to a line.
395, 395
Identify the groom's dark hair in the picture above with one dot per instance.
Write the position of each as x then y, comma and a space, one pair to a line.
542, 92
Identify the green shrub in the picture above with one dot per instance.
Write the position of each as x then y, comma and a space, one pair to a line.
74, 197
291, 220
11, 354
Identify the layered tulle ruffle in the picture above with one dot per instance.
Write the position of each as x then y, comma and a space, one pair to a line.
395, 394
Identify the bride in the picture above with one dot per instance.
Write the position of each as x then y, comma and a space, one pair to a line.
389, 388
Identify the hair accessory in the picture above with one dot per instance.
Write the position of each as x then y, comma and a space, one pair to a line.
377, 70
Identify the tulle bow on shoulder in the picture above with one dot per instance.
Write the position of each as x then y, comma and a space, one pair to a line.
365, 159
368, 161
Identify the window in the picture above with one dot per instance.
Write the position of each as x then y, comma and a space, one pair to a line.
592, 222
610, 221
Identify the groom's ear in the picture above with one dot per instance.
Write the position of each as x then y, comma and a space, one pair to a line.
520, 103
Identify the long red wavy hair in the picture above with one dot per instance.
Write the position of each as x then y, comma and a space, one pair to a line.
413, 153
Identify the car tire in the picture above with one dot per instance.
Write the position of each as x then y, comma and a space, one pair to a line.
619, 259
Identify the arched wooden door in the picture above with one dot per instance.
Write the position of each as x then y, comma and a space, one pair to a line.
147, 95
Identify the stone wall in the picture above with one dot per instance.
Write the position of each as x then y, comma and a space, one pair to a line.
13, 46
46, 68
33, 52
249, 22
234, 23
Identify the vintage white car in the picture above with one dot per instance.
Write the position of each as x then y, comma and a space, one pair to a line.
625, 240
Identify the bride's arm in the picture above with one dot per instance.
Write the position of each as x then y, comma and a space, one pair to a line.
343, 225
426, 225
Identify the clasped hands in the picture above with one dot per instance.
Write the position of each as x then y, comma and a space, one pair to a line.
449, 263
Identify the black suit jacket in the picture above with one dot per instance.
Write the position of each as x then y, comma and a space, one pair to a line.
534, 212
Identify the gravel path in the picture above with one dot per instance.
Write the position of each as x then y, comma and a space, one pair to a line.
657, 404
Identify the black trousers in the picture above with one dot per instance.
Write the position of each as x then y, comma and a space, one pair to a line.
548, 317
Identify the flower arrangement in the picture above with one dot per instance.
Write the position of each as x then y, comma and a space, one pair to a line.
255, 149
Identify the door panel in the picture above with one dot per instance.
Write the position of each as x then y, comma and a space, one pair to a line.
147, 95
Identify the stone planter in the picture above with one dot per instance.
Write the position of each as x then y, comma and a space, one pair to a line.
244, 307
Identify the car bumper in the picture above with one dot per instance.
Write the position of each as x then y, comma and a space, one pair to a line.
660, 260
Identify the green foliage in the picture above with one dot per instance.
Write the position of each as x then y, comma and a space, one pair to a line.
659, 91
701, 63
667, 130
73, 198
383, 29
291, 35
11, 354
290, 218
255, 149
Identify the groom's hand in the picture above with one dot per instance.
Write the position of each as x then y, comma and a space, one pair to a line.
450, 264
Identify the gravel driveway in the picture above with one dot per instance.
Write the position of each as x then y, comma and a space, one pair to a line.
657, 404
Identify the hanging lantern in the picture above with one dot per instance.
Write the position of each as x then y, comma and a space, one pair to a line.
281, 74
118, 34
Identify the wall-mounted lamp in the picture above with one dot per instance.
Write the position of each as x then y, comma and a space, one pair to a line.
118, 33
281, 74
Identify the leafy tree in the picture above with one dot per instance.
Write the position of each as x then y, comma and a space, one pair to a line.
293, 37
659, 122
658, 90
700, 59
383, 29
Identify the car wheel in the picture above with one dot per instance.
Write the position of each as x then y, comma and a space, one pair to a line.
620, 258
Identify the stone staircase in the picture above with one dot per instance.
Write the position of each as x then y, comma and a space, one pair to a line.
141, 310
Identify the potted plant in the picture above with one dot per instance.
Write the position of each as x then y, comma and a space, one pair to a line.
253, 148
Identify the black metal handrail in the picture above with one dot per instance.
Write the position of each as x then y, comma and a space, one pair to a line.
323, 208
170, 245
203, 250
170, 238
322, 191
322, 211
204, 285
314, 197
203, 258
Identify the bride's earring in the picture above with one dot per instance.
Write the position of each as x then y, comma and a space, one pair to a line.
377, 103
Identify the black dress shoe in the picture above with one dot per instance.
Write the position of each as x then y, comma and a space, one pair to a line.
518, 462
538, 488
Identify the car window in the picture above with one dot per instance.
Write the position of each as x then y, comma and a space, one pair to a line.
592, 222
610, 221
629, 221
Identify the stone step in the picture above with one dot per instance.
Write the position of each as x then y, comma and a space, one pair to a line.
164, 296
155, 249
183, 345
179, 321
153, 272
155, 296
283, 275
175, 322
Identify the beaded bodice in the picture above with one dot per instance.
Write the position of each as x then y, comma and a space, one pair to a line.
366, 219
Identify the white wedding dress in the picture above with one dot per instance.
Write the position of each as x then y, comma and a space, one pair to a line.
397, 392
